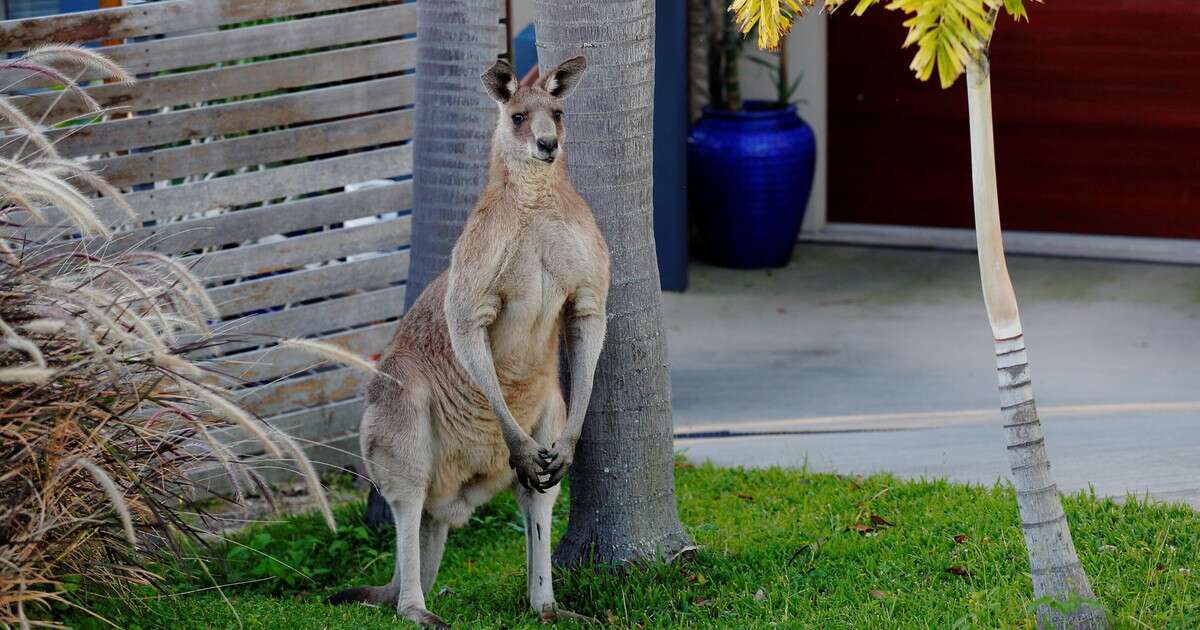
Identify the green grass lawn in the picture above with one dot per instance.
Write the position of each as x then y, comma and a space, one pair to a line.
779, 548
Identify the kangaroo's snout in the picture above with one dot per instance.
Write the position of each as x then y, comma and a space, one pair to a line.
547, 148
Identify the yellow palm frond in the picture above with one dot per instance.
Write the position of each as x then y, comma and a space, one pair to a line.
773, 18
947, 33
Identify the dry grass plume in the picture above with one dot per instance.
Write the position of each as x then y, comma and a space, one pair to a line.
102, 413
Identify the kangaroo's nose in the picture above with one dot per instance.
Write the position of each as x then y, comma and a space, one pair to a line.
548, 144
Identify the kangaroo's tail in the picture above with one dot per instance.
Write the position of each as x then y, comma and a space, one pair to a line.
371, 595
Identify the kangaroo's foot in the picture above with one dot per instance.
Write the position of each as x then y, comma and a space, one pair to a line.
423, 617
552, 612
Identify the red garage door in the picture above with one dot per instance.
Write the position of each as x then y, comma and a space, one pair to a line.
1097, 122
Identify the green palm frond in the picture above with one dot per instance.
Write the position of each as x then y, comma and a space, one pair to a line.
947, 33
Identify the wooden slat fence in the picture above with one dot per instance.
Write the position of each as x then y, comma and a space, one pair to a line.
268, 140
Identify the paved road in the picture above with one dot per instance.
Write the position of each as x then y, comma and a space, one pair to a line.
865, 359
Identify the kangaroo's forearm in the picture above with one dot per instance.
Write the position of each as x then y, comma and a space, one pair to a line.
474, 353
585, 338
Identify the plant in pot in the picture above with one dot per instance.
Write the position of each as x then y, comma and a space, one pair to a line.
750, 162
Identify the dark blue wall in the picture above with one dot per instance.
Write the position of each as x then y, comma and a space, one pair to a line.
35, 8
71, 6
670, 142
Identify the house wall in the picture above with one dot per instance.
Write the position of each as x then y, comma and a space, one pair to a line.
806, 54
1096, 125
806, 48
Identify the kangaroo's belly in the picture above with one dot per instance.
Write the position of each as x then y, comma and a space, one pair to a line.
470, 459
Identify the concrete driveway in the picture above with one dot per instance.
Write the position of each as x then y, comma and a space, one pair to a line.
860, 360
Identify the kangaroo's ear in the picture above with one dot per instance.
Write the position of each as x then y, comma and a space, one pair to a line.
564, 77
500, 81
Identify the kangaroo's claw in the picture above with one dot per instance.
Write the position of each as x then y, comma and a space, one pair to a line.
526, 462
556, 464
554, 613
424, 618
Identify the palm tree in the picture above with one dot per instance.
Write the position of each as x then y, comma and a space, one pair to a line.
953, 36
454, 120
622, 482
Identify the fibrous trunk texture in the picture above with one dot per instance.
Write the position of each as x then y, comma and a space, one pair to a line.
454, 119
699, 13
622, 483
1057, 572
456, 41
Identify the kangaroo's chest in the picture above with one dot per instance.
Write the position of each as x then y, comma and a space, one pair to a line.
546, 263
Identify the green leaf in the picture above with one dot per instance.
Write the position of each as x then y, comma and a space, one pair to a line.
791, 89
862, 6
1016, 8
763, 62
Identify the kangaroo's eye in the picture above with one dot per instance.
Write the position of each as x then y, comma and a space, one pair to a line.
558, 114
518, 119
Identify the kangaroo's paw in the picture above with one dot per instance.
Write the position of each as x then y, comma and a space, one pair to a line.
528, 459
558, 460
424, 618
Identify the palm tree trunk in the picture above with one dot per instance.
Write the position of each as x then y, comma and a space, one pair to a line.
1057, 572
698, 65
622, 483
452, 136
454, 119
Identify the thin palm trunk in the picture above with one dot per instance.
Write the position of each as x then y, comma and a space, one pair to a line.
622, 483
1057, 572
454, 119
698, 24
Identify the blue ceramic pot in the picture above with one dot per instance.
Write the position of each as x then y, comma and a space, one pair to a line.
750, 174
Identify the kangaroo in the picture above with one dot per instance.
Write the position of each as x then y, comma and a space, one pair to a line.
468, 401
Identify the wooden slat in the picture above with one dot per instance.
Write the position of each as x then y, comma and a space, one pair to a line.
255, 223
312, 319
305, 391
317, 247
310, 284
249, 224
332, 419
190, 51
230, 81
327, 452
326, 423
261, 148
272, 363
248, 115
158, 17
334, 428
273, 183
236, 190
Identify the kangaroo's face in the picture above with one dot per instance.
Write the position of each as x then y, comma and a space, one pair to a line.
531, 117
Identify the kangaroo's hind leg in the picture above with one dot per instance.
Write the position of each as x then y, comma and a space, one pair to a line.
536, 508
433, 543
396, 444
